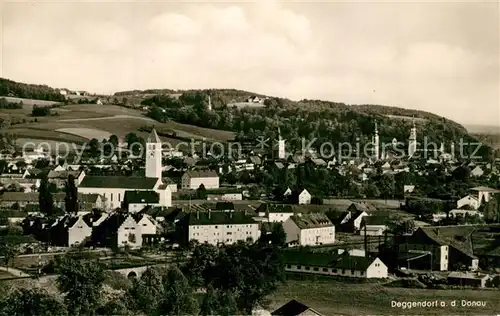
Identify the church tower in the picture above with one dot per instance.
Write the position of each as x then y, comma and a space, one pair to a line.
376, 144
412, 140
281, 146
153, 155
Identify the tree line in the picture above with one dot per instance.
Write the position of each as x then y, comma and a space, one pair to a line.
29, 91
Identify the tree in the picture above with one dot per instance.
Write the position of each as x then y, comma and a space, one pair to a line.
93, 147
71, 199
179, 298
217, 302
146, 292
45, 198
278, 235
201, 261
8, 251
34, 301
81, 283
201, 192
371, 190
113, 139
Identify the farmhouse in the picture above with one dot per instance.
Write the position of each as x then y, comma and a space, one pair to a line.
192, 180
217, 227
113, 188
309, 230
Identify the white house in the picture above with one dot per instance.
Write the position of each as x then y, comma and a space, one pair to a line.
218, 227
373, 225
192, 180
470, 200
408, 188
129, 233
484, 193
78, 230
309, 230
147, 225
275, 212
305, 197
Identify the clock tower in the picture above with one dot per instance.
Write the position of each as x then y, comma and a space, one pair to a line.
153, 156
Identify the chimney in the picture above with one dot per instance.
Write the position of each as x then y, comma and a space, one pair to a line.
209, 214
198, 214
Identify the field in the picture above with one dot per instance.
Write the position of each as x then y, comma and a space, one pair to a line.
332, 297
80, 122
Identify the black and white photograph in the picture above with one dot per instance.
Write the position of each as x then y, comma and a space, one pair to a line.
264, 158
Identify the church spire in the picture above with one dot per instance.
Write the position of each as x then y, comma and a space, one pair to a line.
153, 137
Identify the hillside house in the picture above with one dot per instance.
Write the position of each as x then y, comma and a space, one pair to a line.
304, 197
191, 180
217, 227
344, 264
309, 230
483, 193
60, 178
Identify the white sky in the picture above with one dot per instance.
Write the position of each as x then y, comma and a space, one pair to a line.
439, 57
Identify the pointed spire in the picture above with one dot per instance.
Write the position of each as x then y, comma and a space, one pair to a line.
153, 137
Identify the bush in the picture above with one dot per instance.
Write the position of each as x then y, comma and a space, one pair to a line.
40, 111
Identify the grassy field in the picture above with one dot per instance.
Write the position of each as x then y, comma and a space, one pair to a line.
80, 122
332, 297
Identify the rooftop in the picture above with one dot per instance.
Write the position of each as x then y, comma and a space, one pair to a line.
312, 220
121, 182
214, 218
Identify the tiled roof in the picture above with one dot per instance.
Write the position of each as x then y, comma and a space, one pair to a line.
458, 237
275, 208
484, 189
121, 182
375, 220
202, 174
312, 220
147, 197
20, 197
291, 308
214, 218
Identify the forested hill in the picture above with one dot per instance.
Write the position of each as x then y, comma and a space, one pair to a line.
29, 91
326, 121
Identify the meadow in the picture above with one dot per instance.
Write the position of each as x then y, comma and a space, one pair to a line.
80, 122
333, 297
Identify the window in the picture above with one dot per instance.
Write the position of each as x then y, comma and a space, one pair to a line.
308, 268
446, 257
343, 271
299, 268
288, 266
352, 271
119, 196
144, 225
216, 227
362, 273
325, 270
316, 269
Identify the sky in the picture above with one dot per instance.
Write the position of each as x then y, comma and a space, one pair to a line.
438, 57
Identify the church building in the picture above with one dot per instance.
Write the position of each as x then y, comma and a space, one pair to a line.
113, 188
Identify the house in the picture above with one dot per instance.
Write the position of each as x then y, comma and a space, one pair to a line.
86, 202
464, 212
351, 219
135, 201
304, 197
117, 230
483, 193
441, 248
309, 230
295, 308
477, 172
192, 180
60, 177
225, 197
344, 264
69, 231
408, 188
275, 212
468, 279
469, 200
373, 225
146, 224
217, 227
171, 184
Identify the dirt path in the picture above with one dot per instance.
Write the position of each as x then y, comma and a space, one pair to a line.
121, 116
